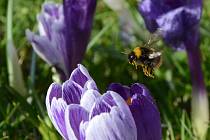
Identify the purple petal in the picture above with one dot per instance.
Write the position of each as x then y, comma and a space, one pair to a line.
89, 98
147, 119
80, 75
150, 10
140, 89
71, 92
44, 26
192, 16
78, 17
123, 91
145, 113
74, 115
172, 27
173, 4
51, 9
57, 116
43, 48
103, 104
178, 24
55, 90
50, 14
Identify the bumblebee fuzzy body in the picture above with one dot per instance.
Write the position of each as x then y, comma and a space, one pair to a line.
145, 57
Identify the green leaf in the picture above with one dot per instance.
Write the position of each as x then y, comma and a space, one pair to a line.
14, 69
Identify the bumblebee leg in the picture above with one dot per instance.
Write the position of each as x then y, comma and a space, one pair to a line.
145, 70
134, 63
136, 66
150, 72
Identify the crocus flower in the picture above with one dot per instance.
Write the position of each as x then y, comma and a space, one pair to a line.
64, 31
178, 21
143, 109
79, 112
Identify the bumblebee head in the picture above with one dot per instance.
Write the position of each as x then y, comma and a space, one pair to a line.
131, 57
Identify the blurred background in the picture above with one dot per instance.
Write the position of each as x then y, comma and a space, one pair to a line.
171, 87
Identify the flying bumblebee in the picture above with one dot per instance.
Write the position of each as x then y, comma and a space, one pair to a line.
146, 57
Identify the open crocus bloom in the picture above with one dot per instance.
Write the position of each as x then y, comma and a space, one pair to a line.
79, 112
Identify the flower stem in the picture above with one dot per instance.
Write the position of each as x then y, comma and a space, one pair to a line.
199, 104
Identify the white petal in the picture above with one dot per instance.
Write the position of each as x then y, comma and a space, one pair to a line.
89, 98
110, 127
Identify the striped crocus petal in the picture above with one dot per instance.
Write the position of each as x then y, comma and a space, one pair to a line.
74, 116
57, 100
80, 75
143, 109
71, 92
56, 108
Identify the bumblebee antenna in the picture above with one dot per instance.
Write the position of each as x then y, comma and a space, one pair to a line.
126, 53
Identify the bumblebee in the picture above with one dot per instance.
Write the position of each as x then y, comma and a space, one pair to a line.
146, 58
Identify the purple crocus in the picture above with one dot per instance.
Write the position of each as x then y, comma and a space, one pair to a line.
143, 109
178, 21
64, 31
79, 112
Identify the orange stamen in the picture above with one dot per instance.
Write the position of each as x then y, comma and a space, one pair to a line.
128, 101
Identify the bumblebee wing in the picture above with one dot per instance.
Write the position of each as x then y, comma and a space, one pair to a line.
154, 55
126, 51
155, 37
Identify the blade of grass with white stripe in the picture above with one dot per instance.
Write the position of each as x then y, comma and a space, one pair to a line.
14, 70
